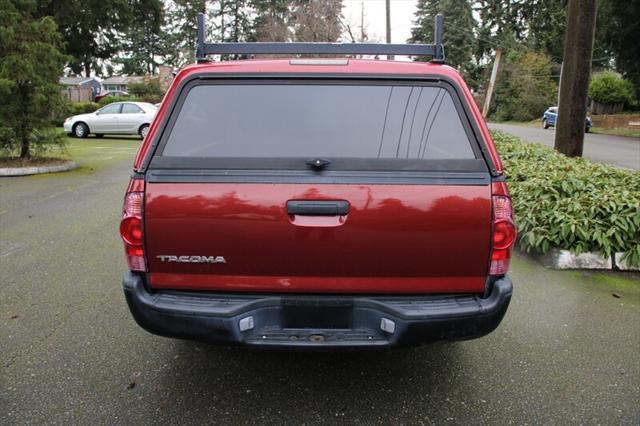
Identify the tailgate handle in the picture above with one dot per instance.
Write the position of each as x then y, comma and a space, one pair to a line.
318, 208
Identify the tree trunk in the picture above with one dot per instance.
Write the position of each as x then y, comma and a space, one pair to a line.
25, 151
25, 146
574, 84
87, 69
23, 127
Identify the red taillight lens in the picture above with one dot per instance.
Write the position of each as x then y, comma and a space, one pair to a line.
504, 235
131, 231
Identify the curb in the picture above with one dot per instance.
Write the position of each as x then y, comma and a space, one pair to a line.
26, 171
564, 259
622, 265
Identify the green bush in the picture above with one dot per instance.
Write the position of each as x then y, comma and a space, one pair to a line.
146, 88
608, 87
524, 88
571, 203
76, 108
68, 109
111, 99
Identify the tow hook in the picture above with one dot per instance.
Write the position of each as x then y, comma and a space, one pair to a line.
317, 338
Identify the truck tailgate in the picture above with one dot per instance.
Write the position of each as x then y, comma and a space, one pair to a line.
394, 238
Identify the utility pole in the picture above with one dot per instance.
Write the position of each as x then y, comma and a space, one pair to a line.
560, 83
574, 82
362, 21
492, 83
388, 7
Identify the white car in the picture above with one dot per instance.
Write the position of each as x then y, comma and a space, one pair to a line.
122, 118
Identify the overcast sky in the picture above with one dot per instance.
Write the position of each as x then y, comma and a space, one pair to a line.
374, 18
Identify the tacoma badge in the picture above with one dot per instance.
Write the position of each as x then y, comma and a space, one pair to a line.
191, 259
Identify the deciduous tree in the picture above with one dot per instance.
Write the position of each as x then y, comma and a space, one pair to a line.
91, 29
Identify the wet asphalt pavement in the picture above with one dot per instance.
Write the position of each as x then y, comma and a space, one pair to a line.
567, 352
620, 151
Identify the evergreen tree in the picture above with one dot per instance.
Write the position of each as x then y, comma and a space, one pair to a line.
141, 46
30, 66
459, 28
272, 20
240, 25
546, 22
617, 35
181, 31
502, 24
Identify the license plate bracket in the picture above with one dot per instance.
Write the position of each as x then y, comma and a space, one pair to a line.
313, 314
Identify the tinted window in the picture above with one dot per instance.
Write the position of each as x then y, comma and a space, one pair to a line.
111, 109
131, 109
338, 121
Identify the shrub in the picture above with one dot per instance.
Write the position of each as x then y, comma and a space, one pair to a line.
111, 99
68, 109
608, 87
43, 141
571, 203
76, 108
146, 88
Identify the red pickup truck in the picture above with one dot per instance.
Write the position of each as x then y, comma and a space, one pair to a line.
318, 203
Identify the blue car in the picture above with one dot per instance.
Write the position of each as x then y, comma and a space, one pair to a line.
549, 119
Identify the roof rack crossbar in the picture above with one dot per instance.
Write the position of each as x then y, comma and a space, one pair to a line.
203, 49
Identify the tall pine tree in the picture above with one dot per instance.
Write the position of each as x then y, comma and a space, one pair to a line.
459, 28
30, 66
181, 31
272, 20
141, 45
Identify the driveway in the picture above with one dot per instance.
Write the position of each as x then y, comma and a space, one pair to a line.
617, 150
568, 351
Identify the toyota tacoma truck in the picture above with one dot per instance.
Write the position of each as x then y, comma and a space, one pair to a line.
318, 202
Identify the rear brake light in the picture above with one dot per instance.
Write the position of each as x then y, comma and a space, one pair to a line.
504, 235
131, 231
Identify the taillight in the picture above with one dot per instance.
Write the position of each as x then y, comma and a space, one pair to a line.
504, 235
131, 229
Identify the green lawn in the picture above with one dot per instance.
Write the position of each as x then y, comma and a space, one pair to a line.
616, 132
93, 154
597, 130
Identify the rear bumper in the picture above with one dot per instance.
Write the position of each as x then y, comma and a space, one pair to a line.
316, 321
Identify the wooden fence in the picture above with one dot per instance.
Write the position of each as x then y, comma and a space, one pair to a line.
77, 94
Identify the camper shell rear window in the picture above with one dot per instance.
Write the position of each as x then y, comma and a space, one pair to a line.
385, 125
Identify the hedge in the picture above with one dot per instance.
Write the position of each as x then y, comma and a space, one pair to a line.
111, 99
69, 109
608, 87
571, 203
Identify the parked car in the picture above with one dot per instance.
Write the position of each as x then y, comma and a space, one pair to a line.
122, 118
318, 204
550, 115
111, 93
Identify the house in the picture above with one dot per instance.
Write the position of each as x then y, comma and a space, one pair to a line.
80, 89
121, 83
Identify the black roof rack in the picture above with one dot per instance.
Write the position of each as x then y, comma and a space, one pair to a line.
435, 50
